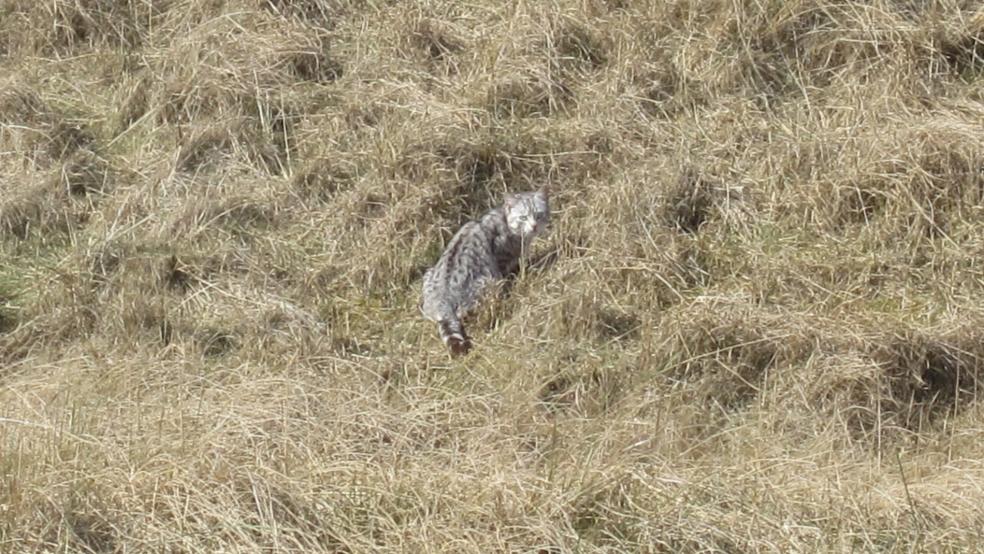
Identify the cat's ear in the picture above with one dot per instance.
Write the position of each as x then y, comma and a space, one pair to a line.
509, 200
544, 192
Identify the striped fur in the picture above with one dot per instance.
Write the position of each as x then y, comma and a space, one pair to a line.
480, 253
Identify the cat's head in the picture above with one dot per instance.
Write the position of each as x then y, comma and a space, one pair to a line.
527, 213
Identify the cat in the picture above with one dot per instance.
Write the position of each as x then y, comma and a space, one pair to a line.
482, 252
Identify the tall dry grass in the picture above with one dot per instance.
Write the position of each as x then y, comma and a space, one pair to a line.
755, 325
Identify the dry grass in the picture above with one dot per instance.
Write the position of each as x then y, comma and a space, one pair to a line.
755, 325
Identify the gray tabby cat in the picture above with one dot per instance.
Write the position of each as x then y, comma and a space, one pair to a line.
480, 253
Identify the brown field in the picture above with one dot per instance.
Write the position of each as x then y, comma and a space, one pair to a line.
756, 324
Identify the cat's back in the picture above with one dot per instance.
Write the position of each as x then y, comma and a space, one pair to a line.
467, 263
476, 237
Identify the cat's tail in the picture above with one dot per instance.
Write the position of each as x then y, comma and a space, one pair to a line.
453, 335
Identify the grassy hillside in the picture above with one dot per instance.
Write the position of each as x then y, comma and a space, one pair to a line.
756, 324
